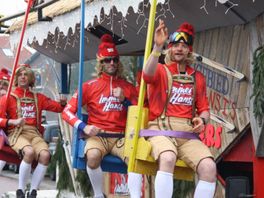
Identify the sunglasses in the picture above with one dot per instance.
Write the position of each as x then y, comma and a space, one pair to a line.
177, 37
108, 60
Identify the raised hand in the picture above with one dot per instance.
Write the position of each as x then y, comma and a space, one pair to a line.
161, 34
62, 99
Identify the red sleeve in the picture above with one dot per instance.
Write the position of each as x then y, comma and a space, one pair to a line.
131, 93
49, 104
70, 110
3, 119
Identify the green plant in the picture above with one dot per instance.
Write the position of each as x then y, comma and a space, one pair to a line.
64, 180
181, 188
258, 84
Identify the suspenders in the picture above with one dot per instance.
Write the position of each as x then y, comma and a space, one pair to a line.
184, 79
27, 100
13, 138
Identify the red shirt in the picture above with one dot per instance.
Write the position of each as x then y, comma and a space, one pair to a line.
104, 110
28, 110
180, 102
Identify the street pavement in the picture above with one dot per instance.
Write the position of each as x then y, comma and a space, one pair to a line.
9, 183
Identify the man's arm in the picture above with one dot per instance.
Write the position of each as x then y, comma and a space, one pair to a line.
160, 37
16, 122
50, 104
69, 115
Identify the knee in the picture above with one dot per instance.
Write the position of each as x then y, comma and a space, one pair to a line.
168, 158
28, 153
93, 158
206, 170
44, 157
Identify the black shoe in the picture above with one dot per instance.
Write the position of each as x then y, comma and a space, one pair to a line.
33, 194
20, 193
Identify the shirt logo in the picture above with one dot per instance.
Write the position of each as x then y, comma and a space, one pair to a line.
28, 111
181, 95
111, 103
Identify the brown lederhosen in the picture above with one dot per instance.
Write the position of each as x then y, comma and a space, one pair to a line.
190, 151
114, 146
19, 137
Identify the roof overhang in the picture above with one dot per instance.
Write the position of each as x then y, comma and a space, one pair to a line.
127, 20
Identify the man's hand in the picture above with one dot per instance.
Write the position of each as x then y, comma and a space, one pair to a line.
198, 125
62, 100
119, 93
161, 34
91, 130
16, 122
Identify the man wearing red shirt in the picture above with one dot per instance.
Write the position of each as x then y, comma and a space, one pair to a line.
105, 98
20, 116
178, 112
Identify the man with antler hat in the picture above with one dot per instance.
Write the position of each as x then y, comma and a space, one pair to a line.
20, 116
179, 110
106, 98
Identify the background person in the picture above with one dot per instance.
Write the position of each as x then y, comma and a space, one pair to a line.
21, 118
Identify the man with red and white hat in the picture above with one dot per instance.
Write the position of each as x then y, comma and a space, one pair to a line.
20, 116
179, 110
105, 98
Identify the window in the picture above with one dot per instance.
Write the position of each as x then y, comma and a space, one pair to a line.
8, 52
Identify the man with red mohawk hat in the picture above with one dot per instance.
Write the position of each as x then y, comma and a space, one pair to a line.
106, 98
20, 116
179, 110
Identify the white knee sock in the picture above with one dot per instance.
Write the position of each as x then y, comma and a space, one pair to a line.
2, 165
96, 179
134, 184
163, 185
24, 173
38, 176
204, 189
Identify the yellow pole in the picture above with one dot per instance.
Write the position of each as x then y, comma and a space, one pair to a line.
142, 90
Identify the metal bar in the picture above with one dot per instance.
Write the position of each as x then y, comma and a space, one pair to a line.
81, 58
151, 23
64, 79
30, 3
76, 134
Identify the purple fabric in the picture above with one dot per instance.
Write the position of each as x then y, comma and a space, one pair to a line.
176, 134
105, 135
2, 133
